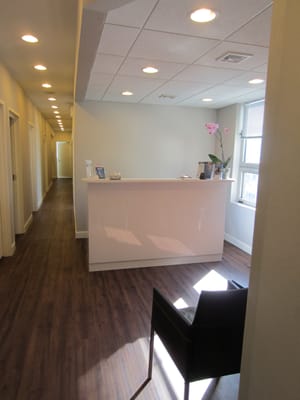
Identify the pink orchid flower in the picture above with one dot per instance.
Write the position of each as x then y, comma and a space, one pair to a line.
212, 127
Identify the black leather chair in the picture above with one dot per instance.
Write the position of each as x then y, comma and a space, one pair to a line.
204, 342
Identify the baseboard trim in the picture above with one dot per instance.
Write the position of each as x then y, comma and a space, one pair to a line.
81, 235
155, 262
241, 245
28, 223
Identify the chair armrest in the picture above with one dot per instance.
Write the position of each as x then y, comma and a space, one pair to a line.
173, 329
234, 285
166, 316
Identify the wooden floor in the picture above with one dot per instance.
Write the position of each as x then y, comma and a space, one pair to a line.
67, 334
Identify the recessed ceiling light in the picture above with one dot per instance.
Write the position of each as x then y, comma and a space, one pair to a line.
40, 67
54, 107
30, 39
256, 81
150, 70
57, 116
127, 93
55, 112
51, 98
203, 15
46, 85
207, 99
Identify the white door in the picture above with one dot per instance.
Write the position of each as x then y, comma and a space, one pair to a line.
64, 159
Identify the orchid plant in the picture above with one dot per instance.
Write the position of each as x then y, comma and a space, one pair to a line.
213, 129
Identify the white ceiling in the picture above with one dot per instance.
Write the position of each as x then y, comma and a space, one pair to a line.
139, 33
160, 33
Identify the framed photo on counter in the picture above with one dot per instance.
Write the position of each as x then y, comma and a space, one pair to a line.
100, 171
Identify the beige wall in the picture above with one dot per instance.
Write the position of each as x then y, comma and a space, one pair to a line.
271, 359
138, 141
33, 136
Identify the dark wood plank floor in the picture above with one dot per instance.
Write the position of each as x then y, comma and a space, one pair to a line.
67, 334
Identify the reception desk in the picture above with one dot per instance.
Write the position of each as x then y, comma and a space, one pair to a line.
149, 222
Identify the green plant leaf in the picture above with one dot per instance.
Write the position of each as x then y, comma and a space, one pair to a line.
226, 162
215, 159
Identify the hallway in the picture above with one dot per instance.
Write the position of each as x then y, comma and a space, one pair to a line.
67, 334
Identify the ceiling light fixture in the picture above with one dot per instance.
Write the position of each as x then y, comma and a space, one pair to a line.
203, 15
150, 70
256, 81
55, 112
51, 98
127, 93
57, 116
30, 39
207, 99
46, 85
54, 107
40, 67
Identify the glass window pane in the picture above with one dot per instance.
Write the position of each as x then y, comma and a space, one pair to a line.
254, 119
249, 187
252, 151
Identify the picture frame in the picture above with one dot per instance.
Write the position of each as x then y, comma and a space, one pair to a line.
100, 171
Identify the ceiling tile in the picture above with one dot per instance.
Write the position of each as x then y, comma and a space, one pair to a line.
117, 40
177, 89
133, 14
106, 64
134, 66
218, 93
139, 86
262, 68
97, 85
256, 32
230, 16
170, 47
243, 80
210, 75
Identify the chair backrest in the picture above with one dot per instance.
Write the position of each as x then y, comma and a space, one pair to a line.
218, 329
221, 308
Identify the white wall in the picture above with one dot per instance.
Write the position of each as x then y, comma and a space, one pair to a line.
138, 141
239, 224
271, 357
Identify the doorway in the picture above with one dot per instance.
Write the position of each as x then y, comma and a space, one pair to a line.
64, 159
16, 175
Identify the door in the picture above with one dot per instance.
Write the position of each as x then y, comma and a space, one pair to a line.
64, 159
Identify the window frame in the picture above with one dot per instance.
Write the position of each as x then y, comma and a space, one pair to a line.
247, 167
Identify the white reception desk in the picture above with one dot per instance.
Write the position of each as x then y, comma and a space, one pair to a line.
149, 222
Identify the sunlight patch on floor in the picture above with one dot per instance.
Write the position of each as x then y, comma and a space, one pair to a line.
197, 389
211, 281
180, 303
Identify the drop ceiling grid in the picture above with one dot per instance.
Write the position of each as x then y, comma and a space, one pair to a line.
144, 33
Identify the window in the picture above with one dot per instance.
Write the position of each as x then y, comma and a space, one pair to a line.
251, 139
